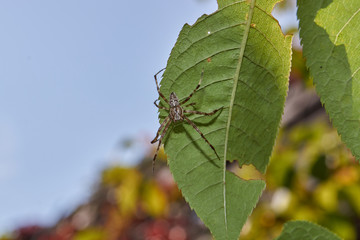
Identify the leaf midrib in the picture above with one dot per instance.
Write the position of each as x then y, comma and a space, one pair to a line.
236, 79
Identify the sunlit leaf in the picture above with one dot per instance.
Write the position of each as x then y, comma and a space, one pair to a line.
300, 230
246, 62
154, 200
330, 35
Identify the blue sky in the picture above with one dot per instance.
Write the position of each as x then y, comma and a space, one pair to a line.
75, 78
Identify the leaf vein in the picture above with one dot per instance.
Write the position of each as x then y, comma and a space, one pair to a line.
271, 43
347, 23
242, 106
355, 72
197, 166
186, 145
207, 187
201, 88
257, 93
173, 81
250, 137
207, 35
259, 65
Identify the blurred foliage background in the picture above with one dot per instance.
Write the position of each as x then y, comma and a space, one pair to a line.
312, 176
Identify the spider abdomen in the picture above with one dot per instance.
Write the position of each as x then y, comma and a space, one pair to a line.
176, 114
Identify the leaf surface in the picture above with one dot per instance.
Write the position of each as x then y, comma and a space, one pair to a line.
300, 230
246, 63
330, 35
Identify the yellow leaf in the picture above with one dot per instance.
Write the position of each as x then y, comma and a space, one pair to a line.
154, 200
326, 195
127, 193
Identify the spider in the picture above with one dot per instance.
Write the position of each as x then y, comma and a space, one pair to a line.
177, 114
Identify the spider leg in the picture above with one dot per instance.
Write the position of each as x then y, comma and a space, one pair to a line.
197, 87
159, 130
201, 134
157, 85
202, 113
190, 104
160, 106
158, 147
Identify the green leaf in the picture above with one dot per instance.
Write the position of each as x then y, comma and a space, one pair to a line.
330, 35
246, 63
300, 230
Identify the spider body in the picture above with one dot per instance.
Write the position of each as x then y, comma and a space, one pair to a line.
177, 114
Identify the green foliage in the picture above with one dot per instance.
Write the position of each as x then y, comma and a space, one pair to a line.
330, 36
246, 63
298, 190
299, 230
